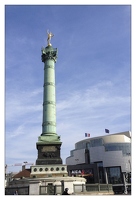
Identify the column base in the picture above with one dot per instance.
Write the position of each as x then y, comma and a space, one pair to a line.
49, 138
48, 153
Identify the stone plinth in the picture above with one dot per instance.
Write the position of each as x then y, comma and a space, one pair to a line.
48, 153
44, 171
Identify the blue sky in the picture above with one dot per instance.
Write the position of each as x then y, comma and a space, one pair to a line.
93, 74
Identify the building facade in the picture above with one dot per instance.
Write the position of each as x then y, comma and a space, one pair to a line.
111, 155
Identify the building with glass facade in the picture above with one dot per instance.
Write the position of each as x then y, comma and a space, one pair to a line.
109, 156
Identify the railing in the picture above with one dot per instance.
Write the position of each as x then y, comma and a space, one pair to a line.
93, 188
78, 188
21, 190
51, 190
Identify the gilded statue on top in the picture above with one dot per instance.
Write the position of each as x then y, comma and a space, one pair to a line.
50, 35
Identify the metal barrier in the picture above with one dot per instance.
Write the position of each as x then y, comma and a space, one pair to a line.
93, 188
78, 188
20, 190
51, 190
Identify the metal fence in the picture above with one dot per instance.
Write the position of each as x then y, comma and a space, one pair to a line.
93, 188
58, 189
51, 190
20, 190
78, 188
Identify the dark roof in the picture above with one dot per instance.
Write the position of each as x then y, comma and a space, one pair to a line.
25, 173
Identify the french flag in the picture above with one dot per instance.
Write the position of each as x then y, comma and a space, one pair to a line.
87, 134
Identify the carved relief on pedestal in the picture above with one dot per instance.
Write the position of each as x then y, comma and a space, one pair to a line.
49, 155
48, 148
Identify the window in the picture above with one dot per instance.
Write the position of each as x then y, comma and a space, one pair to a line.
87, 145
99, 164
63, 168
90, 143
96, 142
81, 145
124, 147
114, 175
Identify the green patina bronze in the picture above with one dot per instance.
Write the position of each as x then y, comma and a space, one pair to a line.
49, 58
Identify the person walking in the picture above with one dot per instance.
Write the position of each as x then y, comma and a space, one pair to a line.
65, 192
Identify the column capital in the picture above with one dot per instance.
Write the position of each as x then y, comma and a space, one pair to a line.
49, 53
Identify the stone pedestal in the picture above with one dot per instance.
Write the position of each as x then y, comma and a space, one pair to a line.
45, 171
48, 153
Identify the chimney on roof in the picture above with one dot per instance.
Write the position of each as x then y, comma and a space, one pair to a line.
23, 167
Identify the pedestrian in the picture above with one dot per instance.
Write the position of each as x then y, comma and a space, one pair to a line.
16, 193
65, 192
